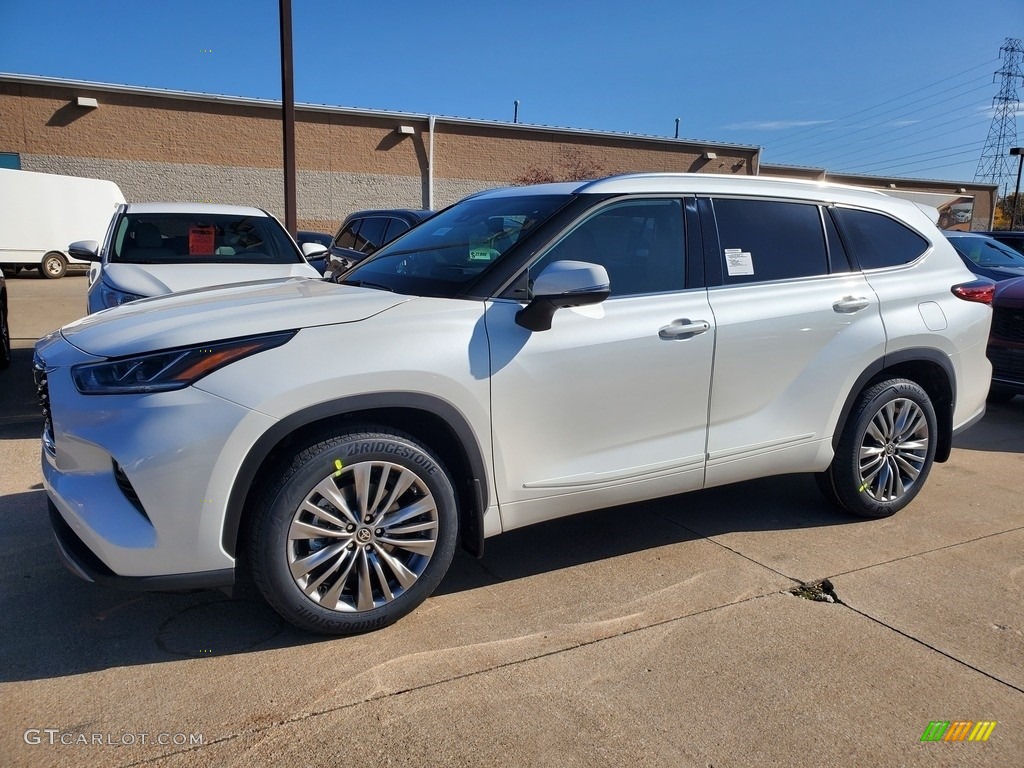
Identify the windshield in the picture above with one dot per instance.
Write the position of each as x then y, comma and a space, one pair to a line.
442, 256
986, 252
201, 238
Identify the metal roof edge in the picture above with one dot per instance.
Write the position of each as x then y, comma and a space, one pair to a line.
362, 112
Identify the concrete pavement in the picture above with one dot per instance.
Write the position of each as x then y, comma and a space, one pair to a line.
661, 633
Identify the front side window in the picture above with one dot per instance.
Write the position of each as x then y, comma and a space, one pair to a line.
443, 256
347, 237
639, 243
201, 238
769, 240
878, 241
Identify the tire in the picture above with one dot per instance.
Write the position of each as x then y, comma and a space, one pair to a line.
5, 337
53, 266
12, 270
998, 394
371, 567
885, 451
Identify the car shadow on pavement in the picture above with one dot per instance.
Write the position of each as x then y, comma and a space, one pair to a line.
1001, 430
775, 503
59, 625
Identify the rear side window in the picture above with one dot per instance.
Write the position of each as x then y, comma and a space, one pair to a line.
395, 228
769, 240
878, 241
371, 234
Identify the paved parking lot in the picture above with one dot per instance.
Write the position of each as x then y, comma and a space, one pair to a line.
656, 634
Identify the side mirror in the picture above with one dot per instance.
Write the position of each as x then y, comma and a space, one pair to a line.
86, 250
312, 250
561, 285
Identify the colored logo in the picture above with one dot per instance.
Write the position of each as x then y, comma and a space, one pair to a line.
958, 730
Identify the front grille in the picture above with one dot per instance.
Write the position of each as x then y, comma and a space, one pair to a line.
1007, 363
1008, 324
39, 374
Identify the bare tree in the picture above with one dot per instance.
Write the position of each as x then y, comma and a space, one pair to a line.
572, 165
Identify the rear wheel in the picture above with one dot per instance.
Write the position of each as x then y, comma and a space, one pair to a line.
885, 451
357, 531
53, 265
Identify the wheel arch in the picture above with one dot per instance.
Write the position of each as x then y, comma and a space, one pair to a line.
931, 370
435, 423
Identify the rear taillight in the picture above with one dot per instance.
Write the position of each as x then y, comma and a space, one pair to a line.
981, 291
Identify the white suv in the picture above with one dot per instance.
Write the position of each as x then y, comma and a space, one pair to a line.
527, 353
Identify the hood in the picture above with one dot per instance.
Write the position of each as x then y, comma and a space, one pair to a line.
1005, 273
161, 279
195, 317
1010, 293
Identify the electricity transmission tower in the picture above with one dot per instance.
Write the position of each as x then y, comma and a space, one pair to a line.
994, 165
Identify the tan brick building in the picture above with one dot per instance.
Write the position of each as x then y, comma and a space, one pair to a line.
170, 145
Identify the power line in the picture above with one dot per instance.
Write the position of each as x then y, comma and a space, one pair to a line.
847, 134
793, 136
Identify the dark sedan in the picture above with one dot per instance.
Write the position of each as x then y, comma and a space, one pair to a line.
986, 256
1006, 341
1013, 239
364, 232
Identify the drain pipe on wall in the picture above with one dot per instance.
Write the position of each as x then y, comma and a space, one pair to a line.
430, 164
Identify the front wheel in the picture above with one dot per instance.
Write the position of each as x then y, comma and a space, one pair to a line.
355, 533
885, 451
53, 265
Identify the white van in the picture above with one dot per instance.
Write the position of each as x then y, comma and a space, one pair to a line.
44, 212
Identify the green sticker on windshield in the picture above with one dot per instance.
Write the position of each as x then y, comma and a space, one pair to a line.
483, 253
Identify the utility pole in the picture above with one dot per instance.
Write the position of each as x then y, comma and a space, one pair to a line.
994, 166
288, 117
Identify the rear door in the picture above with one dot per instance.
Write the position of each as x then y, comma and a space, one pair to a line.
795, 328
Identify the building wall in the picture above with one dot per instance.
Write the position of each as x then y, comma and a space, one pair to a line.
985, 195
178, 147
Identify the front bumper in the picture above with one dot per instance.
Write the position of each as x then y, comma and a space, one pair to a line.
138, 484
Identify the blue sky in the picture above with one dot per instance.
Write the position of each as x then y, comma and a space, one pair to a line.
894, 88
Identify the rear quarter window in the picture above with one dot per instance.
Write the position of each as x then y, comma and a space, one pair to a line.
877, 241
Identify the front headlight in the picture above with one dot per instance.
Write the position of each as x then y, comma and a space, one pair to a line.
168, 369
115, 297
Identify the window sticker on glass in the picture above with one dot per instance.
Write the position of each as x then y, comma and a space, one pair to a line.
200, 239
479, 250
738, 262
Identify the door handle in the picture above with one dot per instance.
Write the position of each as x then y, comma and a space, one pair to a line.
683, 329
851, 304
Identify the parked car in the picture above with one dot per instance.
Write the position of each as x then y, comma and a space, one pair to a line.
152, 249
526, 354
364, 232
986, 256
317, 258
1011, 238
5, 328
1006, 342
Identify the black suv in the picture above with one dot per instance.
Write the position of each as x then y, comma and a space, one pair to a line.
363, 232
